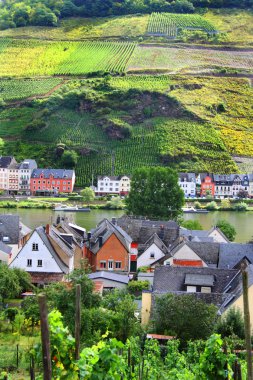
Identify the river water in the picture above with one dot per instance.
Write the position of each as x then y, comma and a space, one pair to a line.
242, 221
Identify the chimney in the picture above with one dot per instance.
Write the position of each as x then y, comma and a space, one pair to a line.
100, 240
114, 221
190, 237
89, 235
47, 229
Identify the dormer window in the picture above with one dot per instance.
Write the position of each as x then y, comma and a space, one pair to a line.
152, 255
6, 239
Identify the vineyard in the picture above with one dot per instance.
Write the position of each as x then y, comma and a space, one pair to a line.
23, 88
170, 24
149, 57
37, 58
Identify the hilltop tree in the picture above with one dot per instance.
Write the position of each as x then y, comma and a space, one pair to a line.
69, 159
155, 193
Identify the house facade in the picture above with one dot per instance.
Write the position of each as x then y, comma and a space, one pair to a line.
5, 163
187, 182
52, 181
207, 186
44, 257
108, 248
24, 174
113, 185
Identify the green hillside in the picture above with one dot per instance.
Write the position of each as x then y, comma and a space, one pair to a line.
100, 98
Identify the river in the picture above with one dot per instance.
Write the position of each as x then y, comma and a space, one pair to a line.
242, 221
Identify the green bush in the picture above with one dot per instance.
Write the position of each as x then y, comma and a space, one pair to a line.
138, 286
212, 206
242, 206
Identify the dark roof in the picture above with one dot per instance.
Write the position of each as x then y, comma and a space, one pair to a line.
199, 279
208, 252
105, 229
202, 235
109, 276
232, 254
169, 279
28, 164
9, 228
141, 230
56, 173
5, 248
5, 161
154, 239
189, 177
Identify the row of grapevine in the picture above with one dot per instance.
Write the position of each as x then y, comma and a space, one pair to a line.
22, 88
37, 58
169, 24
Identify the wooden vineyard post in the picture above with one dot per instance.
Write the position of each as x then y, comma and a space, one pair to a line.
78, 321
247, 321
45, 338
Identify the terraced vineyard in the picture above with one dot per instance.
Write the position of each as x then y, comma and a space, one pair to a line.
170, 24
38, 58
23, 88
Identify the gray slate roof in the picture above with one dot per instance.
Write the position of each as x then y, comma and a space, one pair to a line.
208, 252
5, 161
202, 235
169, 279
199, 279
105, 229
154, 239
28, 164
112, 177
9, 227
232, 254
109, 276
5, 248
141, 230
56, 173
188, 177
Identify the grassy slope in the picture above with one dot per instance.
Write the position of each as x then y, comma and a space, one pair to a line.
157, 136
82, 28
237, 24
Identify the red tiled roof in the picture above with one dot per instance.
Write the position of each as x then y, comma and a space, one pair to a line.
188, 263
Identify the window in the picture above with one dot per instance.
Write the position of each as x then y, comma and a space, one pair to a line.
110, 189
110, 264
35, 247
191, 289
29, 262
118, 265
205, 289
152, 255
6, 238
102, 264
39, 263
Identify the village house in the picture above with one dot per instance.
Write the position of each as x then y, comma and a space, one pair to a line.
25, 170
229, 185
5, 163
113, 185
52, 181
207, 186
187, 182
108, 247
212, 235
47, 256
220, 287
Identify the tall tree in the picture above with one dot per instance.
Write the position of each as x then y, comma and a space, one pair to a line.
155, 193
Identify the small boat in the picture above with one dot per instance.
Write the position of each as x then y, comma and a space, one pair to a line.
192, 210
71, 208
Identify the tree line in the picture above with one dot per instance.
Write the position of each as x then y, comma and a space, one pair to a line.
48, 12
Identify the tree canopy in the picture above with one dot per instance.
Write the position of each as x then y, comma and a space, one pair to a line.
176, 315
155, 193
47, 13
87, 194
227, 228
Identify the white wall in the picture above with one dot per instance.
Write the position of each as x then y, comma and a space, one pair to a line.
145, 260
218, 238
49, 265
184, 253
